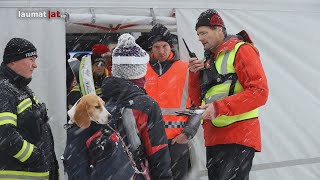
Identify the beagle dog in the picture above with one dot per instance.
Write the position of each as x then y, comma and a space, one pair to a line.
88, 108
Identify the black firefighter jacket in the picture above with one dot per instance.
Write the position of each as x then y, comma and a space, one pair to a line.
26, 142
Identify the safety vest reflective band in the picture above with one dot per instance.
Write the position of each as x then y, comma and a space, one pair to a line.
25, 152
23, 175
174, 124
36, 99
76, 88
8, 118
98, 91
25, 104
224, 65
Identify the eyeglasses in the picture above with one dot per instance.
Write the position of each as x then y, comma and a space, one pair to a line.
201, 34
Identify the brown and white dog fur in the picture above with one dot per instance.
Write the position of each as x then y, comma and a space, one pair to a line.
88, 108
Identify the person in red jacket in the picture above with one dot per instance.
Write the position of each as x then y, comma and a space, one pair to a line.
233, 86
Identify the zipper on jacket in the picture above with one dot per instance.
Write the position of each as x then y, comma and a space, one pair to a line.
160, 68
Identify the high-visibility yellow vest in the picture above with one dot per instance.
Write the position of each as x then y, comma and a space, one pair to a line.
77, 88
224, 65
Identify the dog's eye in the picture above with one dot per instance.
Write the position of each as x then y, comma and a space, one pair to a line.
97, 107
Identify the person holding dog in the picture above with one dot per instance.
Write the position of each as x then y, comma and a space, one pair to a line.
26, 141
135, 114
233, 87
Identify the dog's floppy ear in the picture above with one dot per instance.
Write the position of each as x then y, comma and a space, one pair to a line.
81, 117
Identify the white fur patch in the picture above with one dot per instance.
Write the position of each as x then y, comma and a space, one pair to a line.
72, 111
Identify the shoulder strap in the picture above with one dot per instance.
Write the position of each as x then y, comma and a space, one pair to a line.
128, 129
234, 79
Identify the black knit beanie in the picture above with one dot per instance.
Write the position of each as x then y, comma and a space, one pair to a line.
210, 17
17, 49
160, 33
143, 42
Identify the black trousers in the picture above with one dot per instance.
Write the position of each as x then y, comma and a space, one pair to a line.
229, 161
179, 160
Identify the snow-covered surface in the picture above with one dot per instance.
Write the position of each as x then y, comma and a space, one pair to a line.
285, 32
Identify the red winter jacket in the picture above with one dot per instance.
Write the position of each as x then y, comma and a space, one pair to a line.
253, 79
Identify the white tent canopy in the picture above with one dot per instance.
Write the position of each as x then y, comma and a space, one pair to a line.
285, 32
112, 19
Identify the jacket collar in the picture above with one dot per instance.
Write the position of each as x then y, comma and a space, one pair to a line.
13, 77
228, 44
119, 90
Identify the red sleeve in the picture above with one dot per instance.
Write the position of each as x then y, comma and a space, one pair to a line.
142, 125
194, 88
252, 78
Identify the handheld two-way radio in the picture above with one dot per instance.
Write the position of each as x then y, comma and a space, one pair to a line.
191, 54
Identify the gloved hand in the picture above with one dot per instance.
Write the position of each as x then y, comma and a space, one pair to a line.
101, 146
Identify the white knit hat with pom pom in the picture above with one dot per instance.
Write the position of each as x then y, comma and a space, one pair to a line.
129, 60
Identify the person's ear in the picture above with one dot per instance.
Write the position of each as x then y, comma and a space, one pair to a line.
219, 28
10, 64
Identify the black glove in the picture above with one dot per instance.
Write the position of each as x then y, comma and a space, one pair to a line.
100, 146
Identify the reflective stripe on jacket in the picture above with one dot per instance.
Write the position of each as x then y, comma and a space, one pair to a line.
224, 65
26, 148
24, 175
170, 90
10, 118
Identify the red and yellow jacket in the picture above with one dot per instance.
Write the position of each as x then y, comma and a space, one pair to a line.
251, 76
